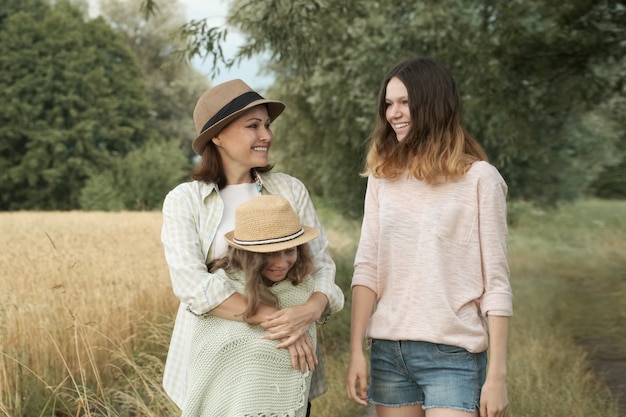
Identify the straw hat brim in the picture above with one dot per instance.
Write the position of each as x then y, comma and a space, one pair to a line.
274, 109
308, 235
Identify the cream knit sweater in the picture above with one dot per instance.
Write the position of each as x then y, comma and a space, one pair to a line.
436, 256
233, 372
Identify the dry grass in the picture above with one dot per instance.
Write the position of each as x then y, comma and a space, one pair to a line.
73, 285
86, 310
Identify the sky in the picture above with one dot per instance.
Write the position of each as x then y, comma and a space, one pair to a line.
215, 12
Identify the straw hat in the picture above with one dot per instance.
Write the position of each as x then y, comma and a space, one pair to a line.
223, 103
267, 223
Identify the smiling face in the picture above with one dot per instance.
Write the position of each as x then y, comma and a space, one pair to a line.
277, 264
397, 111
244, 144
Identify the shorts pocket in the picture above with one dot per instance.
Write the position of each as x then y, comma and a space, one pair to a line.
450, 350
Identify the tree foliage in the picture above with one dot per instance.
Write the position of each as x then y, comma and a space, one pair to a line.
96, 113
72, 100
138, 181
173, 84
536, 76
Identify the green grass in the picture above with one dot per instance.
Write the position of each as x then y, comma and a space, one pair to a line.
569, 286
578, 253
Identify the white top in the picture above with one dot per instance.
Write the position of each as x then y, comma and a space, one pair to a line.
233, 196
436, 256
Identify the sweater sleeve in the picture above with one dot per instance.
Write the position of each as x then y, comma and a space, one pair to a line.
324, 266
497, 297
366, 259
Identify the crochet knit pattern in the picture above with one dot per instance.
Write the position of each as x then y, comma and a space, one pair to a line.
233, 372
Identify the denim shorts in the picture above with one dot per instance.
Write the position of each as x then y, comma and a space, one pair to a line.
434, 375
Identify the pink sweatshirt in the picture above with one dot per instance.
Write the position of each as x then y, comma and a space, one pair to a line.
436, 256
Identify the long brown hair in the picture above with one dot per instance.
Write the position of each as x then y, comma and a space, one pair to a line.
252, 264
437, 148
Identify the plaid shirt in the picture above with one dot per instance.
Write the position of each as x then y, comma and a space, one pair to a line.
191, 214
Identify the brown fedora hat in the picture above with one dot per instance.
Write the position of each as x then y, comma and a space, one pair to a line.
223, 103
267, 223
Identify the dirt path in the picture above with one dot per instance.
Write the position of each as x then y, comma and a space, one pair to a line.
609, 366
613, 373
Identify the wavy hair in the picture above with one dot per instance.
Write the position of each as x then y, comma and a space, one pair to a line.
257, 287
437, 148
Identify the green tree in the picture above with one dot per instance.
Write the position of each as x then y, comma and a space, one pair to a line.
173, 84
534, 76
611, 183
138, 181
72, 100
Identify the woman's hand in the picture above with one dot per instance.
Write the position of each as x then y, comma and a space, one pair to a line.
288, 324
303, 354
262, 315
493, 399
363, 299
291, 323
356, 378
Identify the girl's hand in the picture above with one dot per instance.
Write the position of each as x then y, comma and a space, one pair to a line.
356, 378
493, 399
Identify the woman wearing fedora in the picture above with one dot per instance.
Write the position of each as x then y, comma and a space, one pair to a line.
233, 370
234, 138
432, 259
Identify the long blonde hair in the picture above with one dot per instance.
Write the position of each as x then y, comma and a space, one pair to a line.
437, 148
251, 264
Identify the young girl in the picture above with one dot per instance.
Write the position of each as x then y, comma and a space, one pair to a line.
431, 282
233, 371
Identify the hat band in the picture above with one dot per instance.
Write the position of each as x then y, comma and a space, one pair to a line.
268, 241
235, 104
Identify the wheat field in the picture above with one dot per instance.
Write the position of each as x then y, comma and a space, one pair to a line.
84, 296
73, 287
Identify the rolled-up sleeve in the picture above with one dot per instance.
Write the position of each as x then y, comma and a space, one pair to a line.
366, 258
325, 269
497, 299
182, 241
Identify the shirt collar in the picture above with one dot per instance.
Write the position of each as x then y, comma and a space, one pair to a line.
264, 182
207, 188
